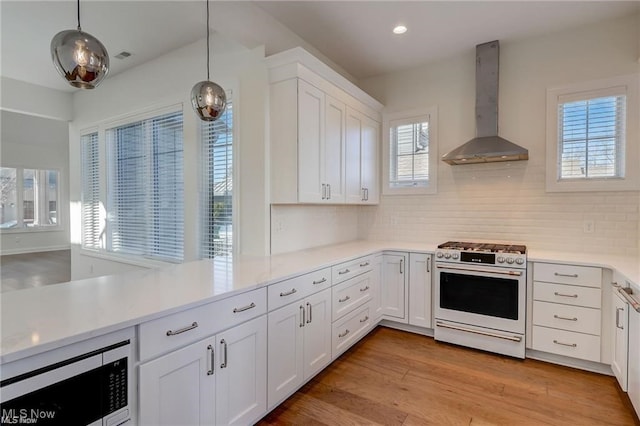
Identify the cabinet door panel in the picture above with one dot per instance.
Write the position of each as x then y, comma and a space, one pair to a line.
354, 191
420, 290
241, 381
334, 146
620, 322
393, 285
634, 354
310, 142
175, 388
285, 352
317, 333
369, 160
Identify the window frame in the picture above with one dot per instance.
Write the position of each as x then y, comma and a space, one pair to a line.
406, 117
60, 219
625, 85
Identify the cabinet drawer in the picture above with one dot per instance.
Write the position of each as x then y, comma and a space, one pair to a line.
568, 274
176, 330
567, 294
297, 288
566, 317
567, 343
350, 329
350, 294
347, 270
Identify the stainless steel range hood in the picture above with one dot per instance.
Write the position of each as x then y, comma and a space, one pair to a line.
487, 146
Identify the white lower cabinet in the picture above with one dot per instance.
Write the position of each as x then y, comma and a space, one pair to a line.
299, 344
420, 310
217, 380
350, 328
394, 283
620, 335
633, 388
376, 288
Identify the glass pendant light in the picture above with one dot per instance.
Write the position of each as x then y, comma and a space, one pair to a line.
207, 98
79, 57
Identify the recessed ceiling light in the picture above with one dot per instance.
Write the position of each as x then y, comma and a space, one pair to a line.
400, 29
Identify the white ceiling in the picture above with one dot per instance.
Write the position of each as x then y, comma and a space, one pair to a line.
355, 35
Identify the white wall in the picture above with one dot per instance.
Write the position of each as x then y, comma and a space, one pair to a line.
35, 142
168, 80
26, 98
507, 201
297, 227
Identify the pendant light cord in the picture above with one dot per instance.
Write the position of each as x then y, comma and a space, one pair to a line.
79, 29
207, 40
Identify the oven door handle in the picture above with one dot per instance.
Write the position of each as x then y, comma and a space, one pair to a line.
480, 270
483, 333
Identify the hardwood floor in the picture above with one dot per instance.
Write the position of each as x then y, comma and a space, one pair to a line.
397, 378
21, 271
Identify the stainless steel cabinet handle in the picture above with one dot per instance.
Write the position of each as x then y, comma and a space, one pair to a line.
182, 330
402, 266
323, 280
365, 319
211, 360
324, 191
244, 308
428, 263
362, 265
328, 191
288, 293
571, 345
341, 335
301, 316
344, 300
565, 318
618, 318
346, 271
565, 295
366, 192
365, 288
363, 194
558, 274
223, 364
309, 306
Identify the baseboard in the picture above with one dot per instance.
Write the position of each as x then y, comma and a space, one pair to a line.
581, 364
406, 327
33, 250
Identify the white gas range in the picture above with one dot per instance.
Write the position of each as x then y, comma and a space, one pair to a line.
480, 296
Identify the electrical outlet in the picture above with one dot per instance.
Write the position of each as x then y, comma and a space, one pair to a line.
588, 226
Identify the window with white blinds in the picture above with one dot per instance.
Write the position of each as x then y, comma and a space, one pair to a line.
217, 185
145, 201
591, 137
409, 153
90, 198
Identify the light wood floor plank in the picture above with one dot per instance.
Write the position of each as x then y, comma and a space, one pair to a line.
397, 378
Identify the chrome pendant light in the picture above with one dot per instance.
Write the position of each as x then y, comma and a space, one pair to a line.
207, 98
79, 57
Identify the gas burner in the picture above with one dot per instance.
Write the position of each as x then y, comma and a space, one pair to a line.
484, 247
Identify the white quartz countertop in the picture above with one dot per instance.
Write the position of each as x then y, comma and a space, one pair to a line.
40, 319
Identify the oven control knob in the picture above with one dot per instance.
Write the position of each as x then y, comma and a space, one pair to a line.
454, 256
447, 255
439, 255
509, 260
500, 259
519, 261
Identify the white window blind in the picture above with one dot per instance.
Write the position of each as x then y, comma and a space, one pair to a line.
145, 188
409, 153
591, 137
29, 198
217, 194
90, 197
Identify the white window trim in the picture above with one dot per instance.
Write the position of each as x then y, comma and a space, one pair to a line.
631, 180
60, 226
415, 115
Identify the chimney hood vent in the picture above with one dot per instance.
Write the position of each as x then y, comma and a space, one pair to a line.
487, 146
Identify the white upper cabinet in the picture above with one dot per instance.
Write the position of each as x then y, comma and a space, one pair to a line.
362, 149
324, 134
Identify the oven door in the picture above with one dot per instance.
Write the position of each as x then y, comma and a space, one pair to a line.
488, 297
